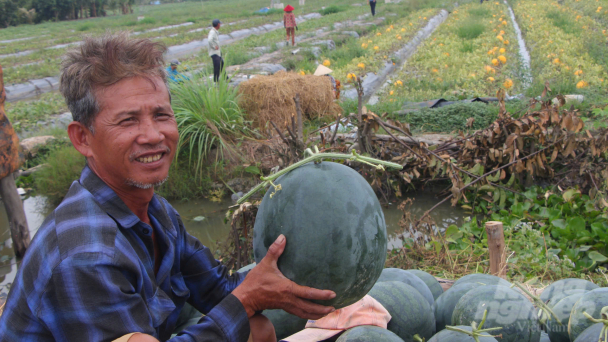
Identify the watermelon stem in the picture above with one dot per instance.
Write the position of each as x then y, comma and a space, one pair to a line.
603, 320
545, 311
477, 331
313, 157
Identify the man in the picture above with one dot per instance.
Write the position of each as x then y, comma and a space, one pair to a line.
173, 74
113, 258
214, 49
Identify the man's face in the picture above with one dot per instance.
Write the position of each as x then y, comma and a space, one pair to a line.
135, 134
218, 26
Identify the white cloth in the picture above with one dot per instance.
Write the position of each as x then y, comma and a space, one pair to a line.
214, 42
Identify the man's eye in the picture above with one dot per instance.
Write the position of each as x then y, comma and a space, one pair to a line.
126, 120
163, 115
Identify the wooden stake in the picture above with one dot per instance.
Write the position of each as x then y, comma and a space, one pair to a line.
496, 246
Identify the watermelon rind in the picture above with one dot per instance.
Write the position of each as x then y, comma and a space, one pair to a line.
561, 295
406, 277
410, 312
246, 268
430, 281
544, 337
591, 334
591, 302
507, 309
562, 309
564, 285
335, 230
482, 279
444, 305
368, 333
285, 324
455, 336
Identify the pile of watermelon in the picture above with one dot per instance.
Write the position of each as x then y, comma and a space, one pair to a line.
421, 311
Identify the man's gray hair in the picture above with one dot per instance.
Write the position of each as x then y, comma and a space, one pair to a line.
104, 61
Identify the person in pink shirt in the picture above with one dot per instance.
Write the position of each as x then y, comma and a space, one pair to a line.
289, 22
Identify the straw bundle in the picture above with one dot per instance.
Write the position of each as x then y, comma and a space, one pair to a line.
266, 98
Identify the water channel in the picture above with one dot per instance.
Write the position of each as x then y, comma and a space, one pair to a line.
212, 228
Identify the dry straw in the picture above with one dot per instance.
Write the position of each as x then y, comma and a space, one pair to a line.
266, 98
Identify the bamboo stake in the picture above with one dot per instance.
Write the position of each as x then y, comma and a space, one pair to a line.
496, 247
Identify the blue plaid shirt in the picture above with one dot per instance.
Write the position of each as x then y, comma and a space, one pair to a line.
89, 276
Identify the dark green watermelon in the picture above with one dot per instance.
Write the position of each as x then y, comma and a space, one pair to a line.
592, 334
482, 279
561, 295
285, 324
411, 313
444, 305
430, 281
507, 309
368, 333
544, 337
246, 268
455, 336
591, 302
335, 229
557, 332
566, 284
406, 277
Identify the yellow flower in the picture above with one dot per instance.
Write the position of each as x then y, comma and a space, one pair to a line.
403, 30
364, 45
506, 42
499, 37
435, 70
578, 72
582, 84
361, 66
556, 61
398, 37
508, 84
388, 29
502, 59
495, 62
473, 75
504, 22
378, 34
399, 83
411, 24
351, 77
491, 52
502, 50
447, 54
369, 41
495, 48
326, 62
502, 32
302, 73
391, 92
392, 27
424, 18
490, 79
376, 47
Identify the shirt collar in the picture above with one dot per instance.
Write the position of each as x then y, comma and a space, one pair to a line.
109, 201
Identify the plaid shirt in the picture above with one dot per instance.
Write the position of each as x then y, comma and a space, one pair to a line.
89, 276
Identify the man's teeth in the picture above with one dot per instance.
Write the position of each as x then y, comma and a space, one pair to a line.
149, 159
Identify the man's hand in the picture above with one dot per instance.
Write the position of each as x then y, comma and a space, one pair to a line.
265, 287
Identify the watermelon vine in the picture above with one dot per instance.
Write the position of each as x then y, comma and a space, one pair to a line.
545, 313
603, 320
477, 331
314, 157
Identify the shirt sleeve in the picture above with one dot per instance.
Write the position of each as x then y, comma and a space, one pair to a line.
90, 298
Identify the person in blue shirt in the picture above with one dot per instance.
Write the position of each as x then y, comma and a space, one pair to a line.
173, 74
113, 260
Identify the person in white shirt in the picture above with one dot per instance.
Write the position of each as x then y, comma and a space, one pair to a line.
214, 49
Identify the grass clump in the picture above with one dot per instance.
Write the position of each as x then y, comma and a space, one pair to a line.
208, 116
480, 12
331, 10
85, 27
64, 167
470, 30
452, 117
563, 21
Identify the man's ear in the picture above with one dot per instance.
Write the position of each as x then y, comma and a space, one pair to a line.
81, 138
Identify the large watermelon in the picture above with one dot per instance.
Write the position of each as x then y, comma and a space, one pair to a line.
444, 305
507, 309
285, 324
430, 281
557, 332
591, 302
482, 279
592, 334
410, 312
335, 229
561, 295
368, 333
456, 336
544, 337
406, 277
566, 284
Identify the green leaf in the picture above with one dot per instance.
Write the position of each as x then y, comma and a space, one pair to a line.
597, 257
559, 223
569, 194
253, 169
576, 223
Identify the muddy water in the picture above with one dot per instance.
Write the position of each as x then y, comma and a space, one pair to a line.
212, 227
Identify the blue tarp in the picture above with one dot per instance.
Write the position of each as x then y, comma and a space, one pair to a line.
263, 10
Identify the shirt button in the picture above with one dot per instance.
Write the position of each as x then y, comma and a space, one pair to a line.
145, 231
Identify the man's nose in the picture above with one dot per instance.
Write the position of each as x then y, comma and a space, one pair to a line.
150, 132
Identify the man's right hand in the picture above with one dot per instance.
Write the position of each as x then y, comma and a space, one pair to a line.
265, 287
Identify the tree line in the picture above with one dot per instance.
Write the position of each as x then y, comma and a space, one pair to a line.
16, 12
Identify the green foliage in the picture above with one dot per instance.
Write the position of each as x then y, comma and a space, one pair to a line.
25, 114
331, 10
563, 21
64, 167
470, 29
85, 27
183, 183
451, 118
208, 116
270, 12
147, 20
467, 47
480, 12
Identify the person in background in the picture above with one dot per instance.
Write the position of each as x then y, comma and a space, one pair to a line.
289, 22
372, 4
173, 74
214, 49
335, 84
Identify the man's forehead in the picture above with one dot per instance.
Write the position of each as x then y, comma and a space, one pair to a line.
136, 92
